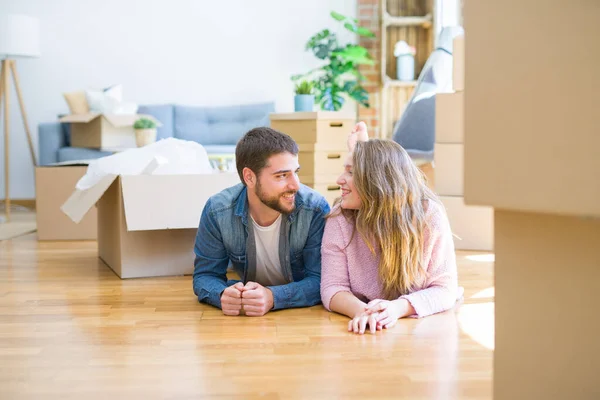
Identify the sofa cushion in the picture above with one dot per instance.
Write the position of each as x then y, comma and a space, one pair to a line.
80, 154
219, 125
163, 113
66, 129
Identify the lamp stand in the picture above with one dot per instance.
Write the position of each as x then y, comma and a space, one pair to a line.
8, 66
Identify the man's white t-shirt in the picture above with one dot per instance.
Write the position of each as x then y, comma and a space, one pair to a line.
268, 266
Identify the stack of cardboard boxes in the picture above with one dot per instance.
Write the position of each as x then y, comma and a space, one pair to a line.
322, 140
532, 151
472, 225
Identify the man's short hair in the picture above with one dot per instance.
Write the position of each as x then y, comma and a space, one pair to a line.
258, 145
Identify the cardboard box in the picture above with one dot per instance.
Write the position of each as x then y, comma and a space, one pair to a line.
330, 191
547, 280
110, 132
321, 166
458, 63
53, 186
450, 117
473, 225
147, 223
321, 163
449, 169
429, 172
531, 116
324, 127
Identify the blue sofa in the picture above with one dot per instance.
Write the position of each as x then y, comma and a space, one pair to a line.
216, 128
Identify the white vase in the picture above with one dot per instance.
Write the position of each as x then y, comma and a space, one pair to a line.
405, 67
145, 137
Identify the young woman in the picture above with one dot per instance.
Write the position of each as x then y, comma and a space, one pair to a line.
387, 249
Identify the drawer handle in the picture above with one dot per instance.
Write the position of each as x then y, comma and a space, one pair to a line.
332, 188
333, 156
336, 124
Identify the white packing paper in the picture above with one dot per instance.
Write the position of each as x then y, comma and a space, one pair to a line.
165, 157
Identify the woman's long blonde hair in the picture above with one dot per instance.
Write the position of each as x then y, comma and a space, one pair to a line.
394, 199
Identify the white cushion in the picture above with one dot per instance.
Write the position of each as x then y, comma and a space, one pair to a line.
105, 101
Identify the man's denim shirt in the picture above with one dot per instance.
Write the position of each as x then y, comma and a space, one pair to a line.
223, 238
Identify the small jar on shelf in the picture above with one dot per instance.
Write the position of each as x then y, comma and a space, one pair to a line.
405, 61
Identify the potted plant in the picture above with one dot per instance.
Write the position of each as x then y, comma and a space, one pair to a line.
145, 131
339, 75
304, 99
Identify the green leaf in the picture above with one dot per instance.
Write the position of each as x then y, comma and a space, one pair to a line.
321, 51
337, 16
365, 32
357, 92
305, 87
324, 35
351, 27
358, 75
356, 54
144, 123
331, 99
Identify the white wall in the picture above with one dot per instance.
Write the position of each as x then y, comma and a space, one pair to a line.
195, 52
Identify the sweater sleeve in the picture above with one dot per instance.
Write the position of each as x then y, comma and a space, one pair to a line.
334, 262
441, 285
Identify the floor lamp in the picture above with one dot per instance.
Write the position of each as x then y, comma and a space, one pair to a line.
19, 37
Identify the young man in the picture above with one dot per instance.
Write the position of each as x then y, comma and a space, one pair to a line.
269, 227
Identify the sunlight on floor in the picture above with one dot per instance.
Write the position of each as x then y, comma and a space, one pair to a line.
482, 257
484, 294
477, 320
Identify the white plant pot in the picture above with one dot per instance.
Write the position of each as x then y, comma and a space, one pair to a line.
145, 137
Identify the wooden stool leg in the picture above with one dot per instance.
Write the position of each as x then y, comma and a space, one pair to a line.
1, 94
5, 96
23, 113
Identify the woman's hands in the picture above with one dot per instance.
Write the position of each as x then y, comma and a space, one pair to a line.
379, 314
359, 323
389, 312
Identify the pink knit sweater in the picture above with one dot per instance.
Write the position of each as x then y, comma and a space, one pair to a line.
353, 268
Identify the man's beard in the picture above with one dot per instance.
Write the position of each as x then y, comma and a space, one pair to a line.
274, 202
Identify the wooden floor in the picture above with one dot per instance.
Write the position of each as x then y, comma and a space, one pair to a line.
71, 329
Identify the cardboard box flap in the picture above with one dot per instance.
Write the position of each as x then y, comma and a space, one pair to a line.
154, 202
124, 120
80, 202
79, 118
322, 115
121, 120
73, 163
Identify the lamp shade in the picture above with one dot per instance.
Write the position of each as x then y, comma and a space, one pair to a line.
19, 36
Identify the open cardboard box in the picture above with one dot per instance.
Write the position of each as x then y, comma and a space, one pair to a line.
111, 132
53, 186
147, 223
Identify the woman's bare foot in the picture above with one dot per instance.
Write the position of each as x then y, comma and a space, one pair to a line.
358, 134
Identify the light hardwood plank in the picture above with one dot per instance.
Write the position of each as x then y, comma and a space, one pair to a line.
71, 329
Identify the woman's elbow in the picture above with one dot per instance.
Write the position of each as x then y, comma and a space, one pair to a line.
327, 293
326, 300
448, 298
